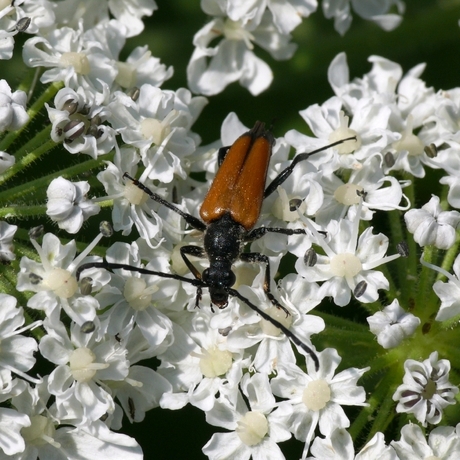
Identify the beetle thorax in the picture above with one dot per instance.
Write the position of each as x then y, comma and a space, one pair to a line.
223, 239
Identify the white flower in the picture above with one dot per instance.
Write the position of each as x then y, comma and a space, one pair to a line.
317, 397
408, 152
40, 13
128, 12
79, 122
139, 68
303, 185
97, 438
286, 15
273, 347
72, 58
46, 438
379, 84
10, 386
16, 352
54, 279
83, 361
433, 226
339, 446
6, 241
132, 297
392, 325
448, 160
349, 261
443, 126
342, 199
369, 124
131, 204
256, 428
158, 124
372, 11
142, 68
232, 59
449, 292
410, 106
40, 435
11, 425
426, 390
67, 204
210, 367
453, 197
13, 113
140, 392
443, 443
7, 31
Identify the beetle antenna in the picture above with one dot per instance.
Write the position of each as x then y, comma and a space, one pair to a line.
201, 284
277, 324
144, 271
283, 175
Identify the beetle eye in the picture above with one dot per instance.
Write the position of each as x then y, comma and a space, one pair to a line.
231, 279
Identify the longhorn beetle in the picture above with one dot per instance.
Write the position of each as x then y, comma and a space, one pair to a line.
229, 213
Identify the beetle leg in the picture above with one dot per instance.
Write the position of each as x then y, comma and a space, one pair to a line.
261, 258
195, 251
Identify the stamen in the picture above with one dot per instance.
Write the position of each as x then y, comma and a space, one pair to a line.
343, 132
409, 141
154, 129
82, 365
127, 74
40, 432
215, 362
316, 395
280, 316
79, 61
252, 428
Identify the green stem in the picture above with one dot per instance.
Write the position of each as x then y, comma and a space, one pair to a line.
27, 81
43, 182
341, 323
410, 264
443, 199
105, 203
23, 250
392, 292
384, 360
386, 412
374, 402
424, 306
22, 211
6, 286
398, 235
356, 344
362, 419
449, 258
38, 146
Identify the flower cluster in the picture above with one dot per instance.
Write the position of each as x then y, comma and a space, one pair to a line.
81, 322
